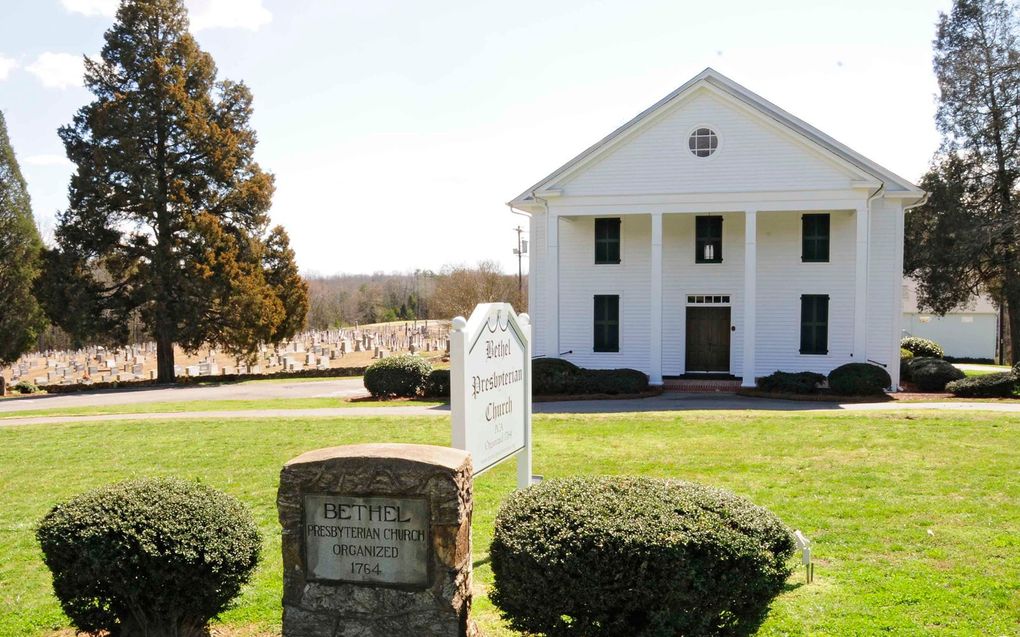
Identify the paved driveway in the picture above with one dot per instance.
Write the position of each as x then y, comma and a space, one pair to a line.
256, 390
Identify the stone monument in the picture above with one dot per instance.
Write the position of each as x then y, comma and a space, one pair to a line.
377, 542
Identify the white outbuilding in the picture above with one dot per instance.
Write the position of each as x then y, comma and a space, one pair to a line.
715, 233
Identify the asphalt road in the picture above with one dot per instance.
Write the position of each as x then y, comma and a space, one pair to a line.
254, 390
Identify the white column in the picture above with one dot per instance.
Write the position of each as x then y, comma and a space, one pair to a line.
655, 346
552, 259
750, 294
860, 353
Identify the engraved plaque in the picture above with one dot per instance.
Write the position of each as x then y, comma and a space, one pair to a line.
374, 540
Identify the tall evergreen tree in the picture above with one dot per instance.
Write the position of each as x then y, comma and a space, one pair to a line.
964, 240
21, 318
168, 208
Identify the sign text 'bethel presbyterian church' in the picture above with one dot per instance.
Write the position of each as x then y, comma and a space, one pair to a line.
490, 387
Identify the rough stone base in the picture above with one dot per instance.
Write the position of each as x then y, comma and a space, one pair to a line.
442, 475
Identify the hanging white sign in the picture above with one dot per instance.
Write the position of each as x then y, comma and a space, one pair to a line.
490, 387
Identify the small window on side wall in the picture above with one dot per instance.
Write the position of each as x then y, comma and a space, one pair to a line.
815, 238
814, 324
708, 239
607, 323
607, 240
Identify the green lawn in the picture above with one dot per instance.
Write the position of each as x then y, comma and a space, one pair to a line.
215, 405
914, 516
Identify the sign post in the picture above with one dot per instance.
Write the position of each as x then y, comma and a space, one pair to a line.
490, 387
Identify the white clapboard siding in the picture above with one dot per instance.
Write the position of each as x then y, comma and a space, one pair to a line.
681, 276
783, 278
581, 279
752, 156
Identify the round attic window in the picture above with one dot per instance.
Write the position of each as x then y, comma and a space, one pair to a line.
703, 142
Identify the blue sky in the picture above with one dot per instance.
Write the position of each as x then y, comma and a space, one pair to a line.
397, 130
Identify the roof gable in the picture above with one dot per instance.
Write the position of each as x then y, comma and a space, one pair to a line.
756, 137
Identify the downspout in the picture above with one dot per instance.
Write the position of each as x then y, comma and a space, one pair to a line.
867, 204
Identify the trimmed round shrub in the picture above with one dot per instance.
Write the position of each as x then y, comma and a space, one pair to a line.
1001, 385
859, 379
922, 347
404, 375
932, 374
25, 387
437, 385
551, 376
610, 556
791, 382
149, 557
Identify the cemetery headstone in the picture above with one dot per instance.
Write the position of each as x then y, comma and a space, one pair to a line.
377, 542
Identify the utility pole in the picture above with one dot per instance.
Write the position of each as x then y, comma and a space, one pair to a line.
520, 251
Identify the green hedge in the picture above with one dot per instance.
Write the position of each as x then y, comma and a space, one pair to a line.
155, 556
859, 379
905, 356
922, 347
404, 375
1001, 385
332, 372
791, 382
555, 376
611, 556
932, 374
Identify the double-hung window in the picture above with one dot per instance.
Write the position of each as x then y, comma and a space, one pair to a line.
607, 240
814, 324
708, 239
607, 323
815, 238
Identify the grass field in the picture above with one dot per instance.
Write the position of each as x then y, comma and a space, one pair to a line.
215, 405
914, 516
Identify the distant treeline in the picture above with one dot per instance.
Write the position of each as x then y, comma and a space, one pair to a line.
346, 299
342, 300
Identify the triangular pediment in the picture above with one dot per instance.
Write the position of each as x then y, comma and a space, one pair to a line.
759, 148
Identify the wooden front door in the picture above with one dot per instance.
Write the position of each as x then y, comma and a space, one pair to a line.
708, 339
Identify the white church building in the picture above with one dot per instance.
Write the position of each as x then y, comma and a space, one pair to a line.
717, 234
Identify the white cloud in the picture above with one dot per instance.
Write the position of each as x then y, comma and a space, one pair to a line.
58, 70
205, 14
91, 7
47, 160
228, 14
6, 66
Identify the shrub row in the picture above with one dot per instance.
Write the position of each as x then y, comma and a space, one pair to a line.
791, 382
610, 556
852, 379
332, 372
149, 557
1001, 385
555, 376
